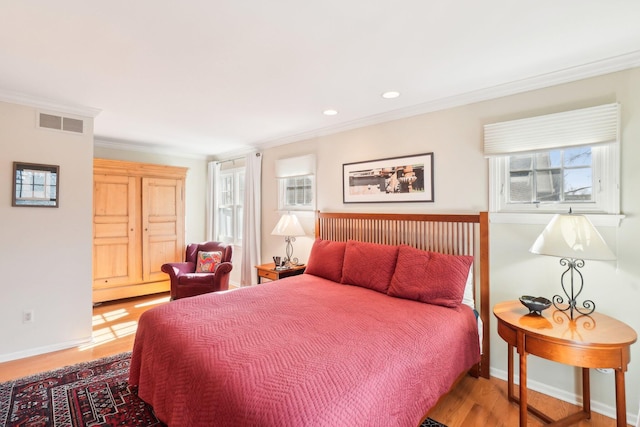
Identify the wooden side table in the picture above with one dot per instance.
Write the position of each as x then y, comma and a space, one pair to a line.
268, 271
593, 341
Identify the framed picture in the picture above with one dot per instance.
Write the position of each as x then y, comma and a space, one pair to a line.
35, 185
396, 179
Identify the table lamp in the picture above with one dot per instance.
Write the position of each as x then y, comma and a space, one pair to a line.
573, 238
289, 227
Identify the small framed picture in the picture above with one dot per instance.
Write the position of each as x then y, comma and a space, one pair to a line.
396, 179
35, 185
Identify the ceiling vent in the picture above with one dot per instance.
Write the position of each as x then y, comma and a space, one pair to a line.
50, 121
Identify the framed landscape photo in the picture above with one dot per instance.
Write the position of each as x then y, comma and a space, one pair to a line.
35, 185
396, 179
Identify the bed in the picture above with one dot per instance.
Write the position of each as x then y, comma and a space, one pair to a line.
358, 339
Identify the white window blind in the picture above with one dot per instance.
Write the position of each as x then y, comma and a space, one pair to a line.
587, 126
296, 166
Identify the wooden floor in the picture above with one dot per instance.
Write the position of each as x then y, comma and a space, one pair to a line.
473, 402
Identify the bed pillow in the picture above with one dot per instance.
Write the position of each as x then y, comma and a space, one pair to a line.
206, 261
325, 259
430, 277
369, 265
467, 297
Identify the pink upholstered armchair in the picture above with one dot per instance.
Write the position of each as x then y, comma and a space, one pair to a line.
186, 282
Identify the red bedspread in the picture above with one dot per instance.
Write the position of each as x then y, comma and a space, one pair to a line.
303, 351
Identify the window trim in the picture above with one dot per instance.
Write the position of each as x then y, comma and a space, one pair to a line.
599, 220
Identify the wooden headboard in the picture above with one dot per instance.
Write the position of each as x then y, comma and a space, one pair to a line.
450, 234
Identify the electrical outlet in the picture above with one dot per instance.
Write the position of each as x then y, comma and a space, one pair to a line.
605, 370
27, 316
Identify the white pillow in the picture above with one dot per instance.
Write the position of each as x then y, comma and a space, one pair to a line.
467, 297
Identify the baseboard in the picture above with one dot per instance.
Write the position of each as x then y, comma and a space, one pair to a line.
599, 407
130, 291
43, 350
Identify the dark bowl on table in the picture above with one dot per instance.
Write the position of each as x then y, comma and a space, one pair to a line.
535, 304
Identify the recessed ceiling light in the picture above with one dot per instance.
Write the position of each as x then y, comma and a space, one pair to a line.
329, 112
391, 94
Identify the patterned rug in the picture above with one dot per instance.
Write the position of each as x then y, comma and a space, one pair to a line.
94, 394
88, 394
431, 423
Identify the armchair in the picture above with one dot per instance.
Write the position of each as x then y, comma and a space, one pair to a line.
186, 282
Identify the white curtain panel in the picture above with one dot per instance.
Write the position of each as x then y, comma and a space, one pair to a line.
251, 230
212, 200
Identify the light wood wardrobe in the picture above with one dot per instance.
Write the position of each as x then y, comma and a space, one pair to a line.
138, 225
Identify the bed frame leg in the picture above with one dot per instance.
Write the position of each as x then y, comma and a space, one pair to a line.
475, 371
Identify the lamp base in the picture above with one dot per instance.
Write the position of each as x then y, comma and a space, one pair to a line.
289, 260
588, 306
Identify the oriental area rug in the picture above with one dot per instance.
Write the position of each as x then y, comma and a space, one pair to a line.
92, 394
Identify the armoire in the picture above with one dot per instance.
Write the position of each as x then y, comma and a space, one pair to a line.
138, 225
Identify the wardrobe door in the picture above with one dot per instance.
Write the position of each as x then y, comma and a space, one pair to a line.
162, 225
115, 231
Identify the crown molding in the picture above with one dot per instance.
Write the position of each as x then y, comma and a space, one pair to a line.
47, 104
567, 75
124, 145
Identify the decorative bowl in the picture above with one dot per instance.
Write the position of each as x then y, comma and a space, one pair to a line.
535, 304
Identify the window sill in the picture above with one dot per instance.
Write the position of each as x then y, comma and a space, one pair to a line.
302, 212
599, 220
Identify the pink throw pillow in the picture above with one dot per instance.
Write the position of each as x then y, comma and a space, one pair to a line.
326, 259
369, 265
206, 261
430, 277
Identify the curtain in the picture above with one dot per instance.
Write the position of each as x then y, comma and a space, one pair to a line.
212, 201
251, 230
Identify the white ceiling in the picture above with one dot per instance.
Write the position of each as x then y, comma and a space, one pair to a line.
224, 76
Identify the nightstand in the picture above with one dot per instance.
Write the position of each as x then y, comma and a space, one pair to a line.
593, 341
268, 271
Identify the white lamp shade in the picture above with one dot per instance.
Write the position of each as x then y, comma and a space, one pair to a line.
572, 236
288, 226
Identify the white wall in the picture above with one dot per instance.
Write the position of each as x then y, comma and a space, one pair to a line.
45, 253
461, 185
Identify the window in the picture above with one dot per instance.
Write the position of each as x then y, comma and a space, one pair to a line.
544, 165
551, 176
556, 180
230, 205
296, 183
296, 193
